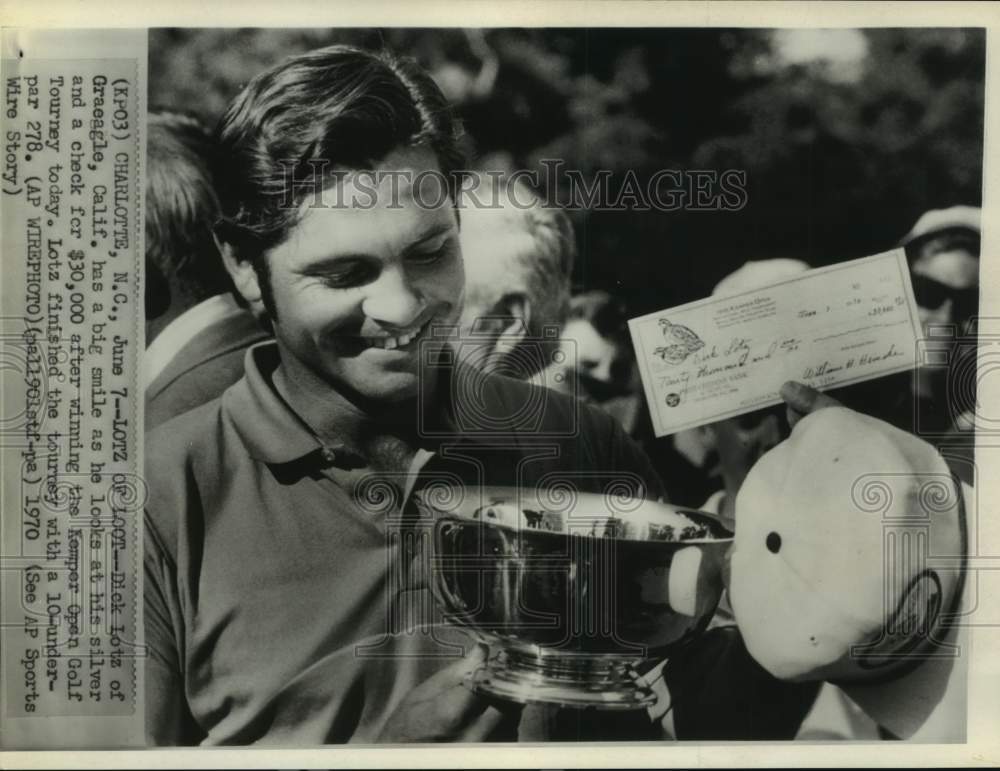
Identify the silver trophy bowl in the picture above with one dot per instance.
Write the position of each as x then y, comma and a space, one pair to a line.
574, 592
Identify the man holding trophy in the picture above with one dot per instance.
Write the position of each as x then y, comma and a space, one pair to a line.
294, 528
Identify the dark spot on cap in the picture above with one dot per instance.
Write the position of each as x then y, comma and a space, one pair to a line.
773, 542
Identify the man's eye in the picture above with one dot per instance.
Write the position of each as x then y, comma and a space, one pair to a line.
348, 277
427, 258
432, 252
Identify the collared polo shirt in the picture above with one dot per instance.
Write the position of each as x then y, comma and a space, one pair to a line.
286, 583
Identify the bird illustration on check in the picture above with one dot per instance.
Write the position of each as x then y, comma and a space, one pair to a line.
681, 342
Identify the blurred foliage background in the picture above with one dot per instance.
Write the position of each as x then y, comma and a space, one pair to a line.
846, 136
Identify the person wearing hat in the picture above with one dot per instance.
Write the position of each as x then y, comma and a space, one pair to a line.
943, 253
738, 442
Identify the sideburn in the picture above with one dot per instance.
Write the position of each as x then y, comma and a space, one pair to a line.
263, 270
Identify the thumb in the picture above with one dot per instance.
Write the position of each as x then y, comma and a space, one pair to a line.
455, 673
803, 400
470, 662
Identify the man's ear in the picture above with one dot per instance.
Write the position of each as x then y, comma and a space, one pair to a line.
509, 319
242, 273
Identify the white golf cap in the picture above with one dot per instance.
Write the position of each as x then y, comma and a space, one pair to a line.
840, 568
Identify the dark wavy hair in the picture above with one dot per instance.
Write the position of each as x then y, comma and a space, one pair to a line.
314, 114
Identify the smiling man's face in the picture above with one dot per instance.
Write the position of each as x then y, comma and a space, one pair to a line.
357, 290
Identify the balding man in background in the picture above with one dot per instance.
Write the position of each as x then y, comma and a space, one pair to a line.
519, 256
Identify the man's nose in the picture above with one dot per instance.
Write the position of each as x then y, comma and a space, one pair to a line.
393, 300
940, 315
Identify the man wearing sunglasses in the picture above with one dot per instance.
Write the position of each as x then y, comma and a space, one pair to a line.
943, 252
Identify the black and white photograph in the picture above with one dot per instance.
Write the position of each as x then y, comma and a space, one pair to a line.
408, 482
562, 384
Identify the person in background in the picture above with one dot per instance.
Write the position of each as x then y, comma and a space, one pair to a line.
196, 332
738, 443
942, 249
727, 449
596, 361
936, 401
519, 256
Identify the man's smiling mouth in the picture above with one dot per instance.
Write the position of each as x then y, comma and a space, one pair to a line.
392, 342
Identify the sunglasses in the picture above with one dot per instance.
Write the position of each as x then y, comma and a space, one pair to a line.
932, 294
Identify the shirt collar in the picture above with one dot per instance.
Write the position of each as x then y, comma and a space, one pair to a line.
275, 435
272, 433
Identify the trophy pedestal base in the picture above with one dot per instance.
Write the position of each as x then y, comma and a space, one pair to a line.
570, 681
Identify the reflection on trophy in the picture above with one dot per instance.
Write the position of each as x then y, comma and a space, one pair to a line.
574, 592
